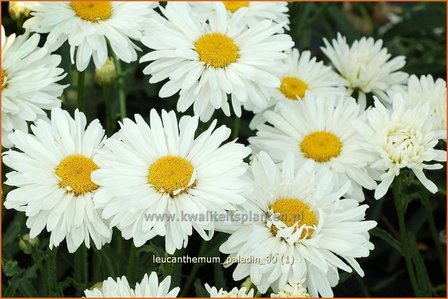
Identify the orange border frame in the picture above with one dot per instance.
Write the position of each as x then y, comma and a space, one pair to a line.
302, 1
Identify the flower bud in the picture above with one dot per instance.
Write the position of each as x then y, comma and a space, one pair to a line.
26, 243
106, 74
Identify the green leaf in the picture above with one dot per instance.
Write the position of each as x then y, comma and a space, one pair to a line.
386, 237
425, 286
387, 281
219, 276
345, 276
26, 288
342, 24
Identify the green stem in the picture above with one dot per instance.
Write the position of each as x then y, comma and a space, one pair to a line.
81, 91
38, 260
51, 274
81, 267
193, 272
432, 227
132, 264
363, 286
19, 23
121, 88
120, 248
236, 127
108, 106
106, 263
405, 252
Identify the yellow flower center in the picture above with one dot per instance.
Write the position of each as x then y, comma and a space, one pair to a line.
169, 174
293, 88
74, 174
4, 78
233, 6
92, 11
321, 146
292, 210
217, 50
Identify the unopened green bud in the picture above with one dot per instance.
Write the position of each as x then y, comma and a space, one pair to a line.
26, 243
106, 74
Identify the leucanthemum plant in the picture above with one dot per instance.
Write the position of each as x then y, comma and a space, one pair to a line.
304, 75
23, 63
310, 229
423, 91
366, 66
215, 63
403, 137
162, 169
149, 287
245, 135
51, 170
320, 129
90, 27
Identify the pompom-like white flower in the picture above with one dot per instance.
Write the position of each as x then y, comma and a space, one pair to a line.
366, 66
51, 170
214, 63
234, 293
425, 90
292, 291
403, 137
149, 287
90, 26
256, 11
309, 233
160, 180
304, 75
29, 78
321, 130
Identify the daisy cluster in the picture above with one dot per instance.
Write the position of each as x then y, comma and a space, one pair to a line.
320, 140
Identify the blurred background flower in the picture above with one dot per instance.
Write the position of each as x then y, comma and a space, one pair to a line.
414, 30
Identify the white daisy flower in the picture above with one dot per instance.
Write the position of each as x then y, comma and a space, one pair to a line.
29, 76
256, 11
149, 287
319, 129
418, 92
310, 233
234, 293
152, 173
296, 290
90, 26
304, 74
366, 66
207, 62
51, 170
403, 137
